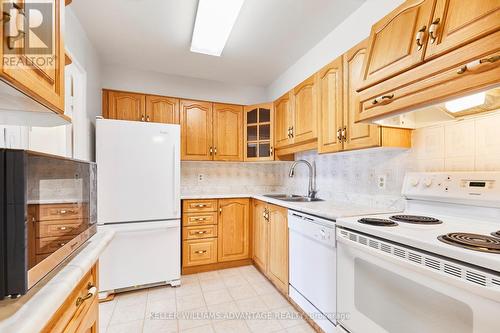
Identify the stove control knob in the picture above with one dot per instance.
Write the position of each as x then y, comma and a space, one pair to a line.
414, 182
428, 182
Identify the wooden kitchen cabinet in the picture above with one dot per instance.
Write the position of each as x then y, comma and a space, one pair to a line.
278, 247
260, 235
161, 109
124, 105
270, 242
330, 83
233, 229
259, 132
227, 132
283, 121
304, 96
456, 23
40, 76
398, 41
78, 313
196, 130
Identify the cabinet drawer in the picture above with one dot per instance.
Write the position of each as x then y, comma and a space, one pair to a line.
51, 244
195, 206
50, 212
199, 252
81, 302
58, 228
199, 219
209, 231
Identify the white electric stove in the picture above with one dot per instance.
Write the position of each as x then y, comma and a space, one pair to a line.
432, 268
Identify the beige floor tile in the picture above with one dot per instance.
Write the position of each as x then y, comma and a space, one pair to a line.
189, 289
254, 277
274, 300
105, 313
242, 292
231, 326
217, 296
254, 304
201, 329
127, 313
230, 272
223, 311
161, 293
193, 318
208, 275
131, 297
190, 302
212, 284
187, 279
304, 328
263, 288
288, 317
248, 268
162, 308
161, 325
264, 325
234, 281
131, 327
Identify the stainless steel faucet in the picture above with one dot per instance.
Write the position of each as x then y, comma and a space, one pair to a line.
312, 176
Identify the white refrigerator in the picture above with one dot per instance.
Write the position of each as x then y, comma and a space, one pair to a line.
138, 196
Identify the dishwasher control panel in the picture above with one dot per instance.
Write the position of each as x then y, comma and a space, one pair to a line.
319, 229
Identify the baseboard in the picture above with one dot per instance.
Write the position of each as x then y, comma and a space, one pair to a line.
216, 266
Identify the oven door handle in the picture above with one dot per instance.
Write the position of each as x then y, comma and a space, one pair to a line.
482, 291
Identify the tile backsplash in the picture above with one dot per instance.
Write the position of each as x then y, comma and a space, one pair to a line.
467, 145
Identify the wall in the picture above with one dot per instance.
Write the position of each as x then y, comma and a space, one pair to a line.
354, 29
467, 145
84, 54
123, 78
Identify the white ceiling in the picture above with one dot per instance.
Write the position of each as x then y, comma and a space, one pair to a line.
268, 37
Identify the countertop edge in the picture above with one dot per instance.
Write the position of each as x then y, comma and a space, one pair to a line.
47, 299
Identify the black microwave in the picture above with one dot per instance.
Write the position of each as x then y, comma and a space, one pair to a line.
48, 209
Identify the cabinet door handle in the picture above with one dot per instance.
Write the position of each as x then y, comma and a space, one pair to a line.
339, 134
147, 118
271, 150
220, 210
419, 38
215, 150
91, 291
432, 30
473, 65
142, 118
385, 99
291, 129
288, 132
201, 252
211, 151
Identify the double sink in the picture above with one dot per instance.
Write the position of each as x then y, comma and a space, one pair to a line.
292, 197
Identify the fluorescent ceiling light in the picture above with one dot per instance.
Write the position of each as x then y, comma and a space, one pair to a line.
214, 21
466, 102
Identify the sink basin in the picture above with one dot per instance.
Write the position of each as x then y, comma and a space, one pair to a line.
292, 197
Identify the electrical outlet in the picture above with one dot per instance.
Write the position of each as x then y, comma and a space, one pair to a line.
200, 178
381, 181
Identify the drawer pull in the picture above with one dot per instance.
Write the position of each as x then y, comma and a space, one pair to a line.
201, 232
432, 30
200, 205
91, 291
200, 219
419, 38
201, 252
385, 99
62, 228
64, 211
62, 244
476, 63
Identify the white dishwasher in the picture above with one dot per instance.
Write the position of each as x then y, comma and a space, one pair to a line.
313, 272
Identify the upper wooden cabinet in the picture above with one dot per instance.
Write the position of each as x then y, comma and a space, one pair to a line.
233, 229
162, 109
36, 71
227, 132
196, 130
283, 111
124, 105
304, 111
330, 117
457, 22
259, 132
398, 41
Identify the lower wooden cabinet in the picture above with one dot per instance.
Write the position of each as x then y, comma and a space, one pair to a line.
79, 313
199, 252
270, 242
234, 229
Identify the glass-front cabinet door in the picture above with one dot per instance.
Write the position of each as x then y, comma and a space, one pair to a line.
259, 132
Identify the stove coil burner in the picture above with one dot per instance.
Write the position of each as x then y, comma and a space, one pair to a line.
474, 242
496, 234
416, 219
378, 222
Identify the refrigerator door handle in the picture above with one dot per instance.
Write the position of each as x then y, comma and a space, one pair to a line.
176, 195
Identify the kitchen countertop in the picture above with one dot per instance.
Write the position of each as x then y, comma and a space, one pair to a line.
31, 312
328, 209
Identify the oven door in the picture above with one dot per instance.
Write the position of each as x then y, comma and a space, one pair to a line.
383, 287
